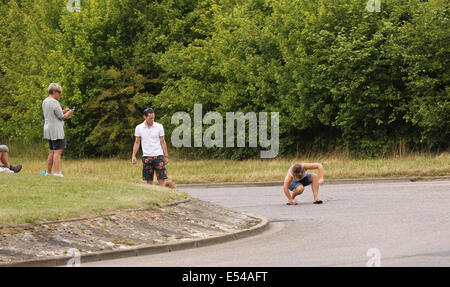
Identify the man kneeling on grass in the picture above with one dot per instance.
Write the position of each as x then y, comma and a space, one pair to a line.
297, 179
4, 159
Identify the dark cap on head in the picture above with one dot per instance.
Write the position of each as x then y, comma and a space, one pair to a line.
148, 111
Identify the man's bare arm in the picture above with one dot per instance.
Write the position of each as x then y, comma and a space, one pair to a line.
164, 147
317, 166
136, 145
287, 182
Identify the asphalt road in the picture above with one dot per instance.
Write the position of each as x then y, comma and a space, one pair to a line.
408, 223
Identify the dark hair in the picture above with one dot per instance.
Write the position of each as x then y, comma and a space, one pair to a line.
148, 111
298, 169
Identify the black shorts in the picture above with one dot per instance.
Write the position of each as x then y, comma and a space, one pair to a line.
150, 164
57, 144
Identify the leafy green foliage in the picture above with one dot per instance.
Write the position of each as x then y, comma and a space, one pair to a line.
341, 77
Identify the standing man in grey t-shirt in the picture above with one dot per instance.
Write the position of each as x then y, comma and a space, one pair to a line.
54, 128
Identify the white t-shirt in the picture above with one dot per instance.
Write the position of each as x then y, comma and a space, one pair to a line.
150, 138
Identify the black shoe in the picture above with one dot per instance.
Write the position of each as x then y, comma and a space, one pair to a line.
16, 168
318, 202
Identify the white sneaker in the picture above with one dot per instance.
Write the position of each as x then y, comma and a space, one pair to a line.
58, 174
5, 170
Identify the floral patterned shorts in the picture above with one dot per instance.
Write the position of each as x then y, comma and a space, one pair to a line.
152, 164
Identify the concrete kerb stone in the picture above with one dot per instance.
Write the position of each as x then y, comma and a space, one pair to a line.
146, 249
328, 181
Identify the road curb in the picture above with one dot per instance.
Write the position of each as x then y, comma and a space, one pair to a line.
328, 181
146, 249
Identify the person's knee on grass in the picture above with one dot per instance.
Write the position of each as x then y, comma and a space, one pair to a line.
5, 160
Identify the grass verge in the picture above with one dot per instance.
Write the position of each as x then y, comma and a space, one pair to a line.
26, 197
258, 170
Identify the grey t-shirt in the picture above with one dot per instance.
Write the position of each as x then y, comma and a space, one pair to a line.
53, 113
4, 148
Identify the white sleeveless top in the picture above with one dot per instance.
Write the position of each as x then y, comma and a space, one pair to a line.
292, 174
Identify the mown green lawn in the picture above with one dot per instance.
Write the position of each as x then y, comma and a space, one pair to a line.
26, 197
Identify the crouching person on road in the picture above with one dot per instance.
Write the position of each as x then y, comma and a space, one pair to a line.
297, 178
